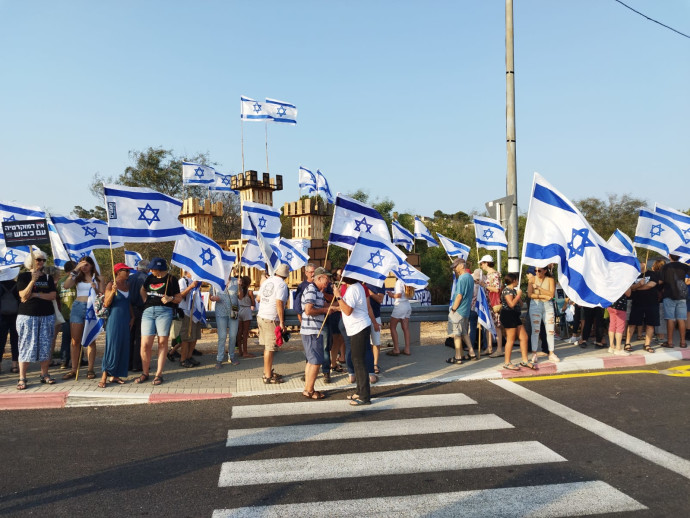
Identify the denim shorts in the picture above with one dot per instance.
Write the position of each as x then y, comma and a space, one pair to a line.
156, 320
675, 309
313, 349
78, 312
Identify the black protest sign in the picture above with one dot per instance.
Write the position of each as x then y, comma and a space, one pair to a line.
23, 233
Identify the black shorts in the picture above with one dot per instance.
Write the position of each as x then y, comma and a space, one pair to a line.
644, 315
332, 321
510, 319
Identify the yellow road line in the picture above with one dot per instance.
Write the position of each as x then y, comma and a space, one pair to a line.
678, 371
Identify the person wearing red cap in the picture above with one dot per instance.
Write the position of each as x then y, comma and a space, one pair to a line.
120, 318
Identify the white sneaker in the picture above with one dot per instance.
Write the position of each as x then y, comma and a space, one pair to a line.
574, 339
611, 349
621, 352
554, 358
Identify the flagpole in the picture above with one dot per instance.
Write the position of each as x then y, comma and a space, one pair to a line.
266, 139
242, 135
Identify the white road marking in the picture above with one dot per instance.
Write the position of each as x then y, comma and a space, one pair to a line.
340, 430
574, 499
638, 447
298, 469
343, 405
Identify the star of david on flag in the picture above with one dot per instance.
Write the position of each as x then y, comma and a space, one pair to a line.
372, 259
402, 236
489, 234
198, 306
222, 183
307, 180
350, 217
92, 324
453, 248
483, 312
79, 235
291, 253
421, 232
13, 212
203, 258
410, 276
660, 233
197, 174
279, 111
682, 222
591, 272
251, 110
142, 215
261, 223
132, 258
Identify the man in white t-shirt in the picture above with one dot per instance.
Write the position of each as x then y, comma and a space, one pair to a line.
273, 294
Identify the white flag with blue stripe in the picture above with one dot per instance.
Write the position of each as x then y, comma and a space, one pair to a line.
92, 324
484, 312
620, 241
261, 223
12, 257
590, 272
421, 232
307, 180
402, 236
251, 110
682, 222
410, 276
323, 187
489, 234
660, 233
222, 183
80, 235
372, 259
13, 212
203, 258
453, 248
60, 255
279, 111
141, 215
352, 217
292, 254
197, 174
198, 306
132, 258
252, 256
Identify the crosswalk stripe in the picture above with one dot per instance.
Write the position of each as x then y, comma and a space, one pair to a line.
338, 431
342, 405
296, 469
570, 499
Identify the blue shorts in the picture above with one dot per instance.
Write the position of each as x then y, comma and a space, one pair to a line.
156, 320
78, 312
675, 309
313, 348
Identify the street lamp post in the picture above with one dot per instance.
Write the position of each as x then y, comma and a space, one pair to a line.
511, 173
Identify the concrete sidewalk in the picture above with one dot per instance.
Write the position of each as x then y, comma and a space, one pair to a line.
427, 364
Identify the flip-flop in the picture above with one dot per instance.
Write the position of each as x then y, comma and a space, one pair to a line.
358, 402
392, 353
510, 367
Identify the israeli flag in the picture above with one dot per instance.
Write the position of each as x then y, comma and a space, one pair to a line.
92, 324
453, 248
262, 224
222, 182
203, 258
590, 272
620, 241
421, 232
10, 273
659, 233
12, 212
681, 220
252, 256
278, 111
307, 180
484, 312
402, 236
372, 259
490, 234
410, 276
251, 110
197, 174
292, 254
352, 217
60, 255
81, 235
12, 257
323, 188
141, 215
132, 259
198, 307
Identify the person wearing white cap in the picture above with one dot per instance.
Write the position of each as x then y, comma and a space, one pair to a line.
273, 294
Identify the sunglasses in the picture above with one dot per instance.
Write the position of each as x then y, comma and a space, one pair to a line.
40, 260
540, 270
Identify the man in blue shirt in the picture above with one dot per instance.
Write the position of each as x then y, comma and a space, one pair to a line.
459, 314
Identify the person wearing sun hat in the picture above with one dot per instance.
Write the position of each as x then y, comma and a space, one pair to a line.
120, 317
273, 294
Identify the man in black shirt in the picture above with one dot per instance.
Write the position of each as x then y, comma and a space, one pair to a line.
644, 310
674, 280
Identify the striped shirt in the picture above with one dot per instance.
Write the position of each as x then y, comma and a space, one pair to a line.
311, 325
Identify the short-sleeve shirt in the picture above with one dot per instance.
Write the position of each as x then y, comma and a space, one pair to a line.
375, 306
621, 304
356, 298
156, 288
673, 275
228, 299
649, 296
465, 287
504, 303
399, 289
311, 324
272, 289
36, 307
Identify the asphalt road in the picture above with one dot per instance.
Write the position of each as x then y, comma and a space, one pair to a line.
513, 457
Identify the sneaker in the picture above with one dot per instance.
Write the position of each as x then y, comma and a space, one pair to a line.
573, 339
554, 358
611, 349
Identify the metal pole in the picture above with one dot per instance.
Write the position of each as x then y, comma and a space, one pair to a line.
511, 173
498, 252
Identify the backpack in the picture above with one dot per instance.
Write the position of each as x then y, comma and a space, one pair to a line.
297, 304
9, 305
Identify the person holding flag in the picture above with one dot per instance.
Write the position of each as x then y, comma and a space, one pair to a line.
401, 313
493, 288
541, 292
459, 313
511, 302
120, 318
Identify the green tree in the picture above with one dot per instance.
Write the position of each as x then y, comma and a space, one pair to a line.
605, 216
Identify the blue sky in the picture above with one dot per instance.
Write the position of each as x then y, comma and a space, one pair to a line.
403, 99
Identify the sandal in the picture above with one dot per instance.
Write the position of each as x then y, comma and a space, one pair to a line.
47, 379
91, 375
527, 365
453, 360
101, 384
683, 345
69, 376
628, 347
358, 402
338, 368
511, 367
392, 353
314, 394
353, 396
495, 355
157, 380
647, 348
142, 378
271, 380
21, 384
119, 381
377, 370
667, 345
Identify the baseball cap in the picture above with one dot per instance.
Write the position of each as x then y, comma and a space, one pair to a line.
321, 271
158, 263
121, 266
